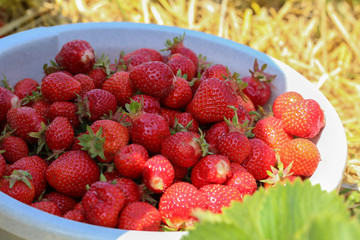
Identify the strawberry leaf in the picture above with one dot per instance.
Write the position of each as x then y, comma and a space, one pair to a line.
294, 211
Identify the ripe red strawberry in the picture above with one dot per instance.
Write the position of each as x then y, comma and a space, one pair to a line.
178, 62
59, 135
19, 186
25, 87
214, 134
63, 202
47, 206
99, 76
180, 173
104, 139
8, 100
86, 82
130, 190
271, 131
234, 145
153, 78
120, 86
186, 120
216, 71
304, 118
96, 103
260, 159
219, 196
210, 169
211, 100
258, 88
241, 179
133, 60
42, 106
177, 204
59, 86
303, 154
179, 96
283, 101
184, 148
110, 173
158, 174
64, 109
140, 216
130, 160
102, 204
76, 56
71, 172
149, 103
34, 165
2, 165
152, 54
75, 215
246, 102
177, 46
24, 120
14, 147
147, 129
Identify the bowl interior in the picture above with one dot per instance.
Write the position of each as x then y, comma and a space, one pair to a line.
22, 55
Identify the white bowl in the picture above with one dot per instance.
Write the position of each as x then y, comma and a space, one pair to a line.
22, 55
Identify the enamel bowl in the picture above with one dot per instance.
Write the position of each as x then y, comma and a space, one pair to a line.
22, 55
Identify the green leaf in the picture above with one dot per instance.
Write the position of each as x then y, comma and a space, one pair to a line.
294, 211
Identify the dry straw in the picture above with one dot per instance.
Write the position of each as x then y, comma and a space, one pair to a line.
320, 39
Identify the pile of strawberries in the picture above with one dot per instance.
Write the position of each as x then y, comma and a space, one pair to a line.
141, 143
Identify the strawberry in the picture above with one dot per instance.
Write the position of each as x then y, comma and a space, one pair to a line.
234, 145
246, 102
258, 88
149, 103
177, 204
140, 216
86, 82
219, 196
8, 100
177, 46
36, 167
279, 176
96, 103
102, 204
25, 87
111, 173
303, 119
152, 54
42, 106
210, 169
14, 147
153, 78
179, 96
180, 173
283, 102
158, 173
24, 120
130, 160
302, 153
214, 134
120, 86
271, 131
211, 100
185, 120
178, 62
2, 165
71, 172
47, 206
215, 71
64, 109
99, 76
130, 190
260, 159
147, 129
76, 56
184, 148
60, 87
241, 179
63, 202
134, 60
104, 139
75, 215
59, 134
19, 186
